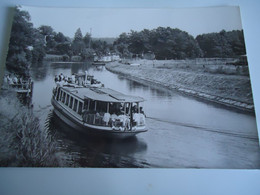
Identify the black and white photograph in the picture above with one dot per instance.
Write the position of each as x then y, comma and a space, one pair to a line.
127, 88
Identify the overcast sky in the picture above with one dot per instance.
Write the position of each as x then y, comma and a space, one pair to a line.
106, 22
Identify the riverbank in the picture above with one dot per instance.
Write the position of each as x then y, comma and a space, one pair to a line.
231, 90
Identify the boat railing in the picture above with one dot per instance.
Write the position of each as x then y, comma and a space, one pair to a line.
21, 85
121, 122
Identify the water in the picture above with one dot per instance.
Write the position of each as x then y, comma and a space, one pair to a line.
183, 131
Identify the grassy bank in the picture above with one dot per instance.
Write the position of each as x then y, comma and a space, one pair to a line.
23, 142
232, 90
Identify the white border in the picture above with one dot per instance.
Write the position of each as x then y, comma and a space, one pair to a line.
140, 181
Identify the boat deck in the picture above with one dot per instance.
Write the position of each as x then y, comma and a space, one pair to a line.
102, 94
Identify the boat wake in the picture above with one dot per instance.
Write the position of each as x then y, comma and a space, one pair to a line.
208, 129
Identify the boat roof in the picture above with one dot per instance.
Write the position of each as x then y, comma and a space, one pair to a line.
102, 94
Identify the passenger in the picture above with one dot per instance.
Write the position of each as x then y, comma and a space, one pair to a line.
20, 80
98, 118
61, 76
56, 79
15, 80
136, 118
134, 109
10, 81
62, 83
122, 119
113, 117
142, 119
141, 111
73, 79
84, 115
106, 118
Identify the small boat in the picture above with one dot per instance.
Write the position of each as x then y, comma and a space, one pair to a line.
99, 111
99, 63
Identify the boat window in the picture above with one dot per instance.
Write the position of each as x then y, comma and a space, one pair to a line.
102, 106
86, 104
80, 108
58, 94
61, 94
75, 105
63, 97
92, 105
67, 100
71, 101
116, 108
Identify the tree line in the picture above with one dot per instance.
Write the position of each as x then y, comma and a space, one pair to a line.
172, 43
29, 45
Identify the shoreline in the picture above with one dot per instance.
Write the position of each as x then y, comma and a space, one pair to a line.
134, 72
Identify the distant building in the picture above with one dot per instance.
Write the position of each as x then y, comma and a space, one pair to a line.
149, 55
107, 58
115, 57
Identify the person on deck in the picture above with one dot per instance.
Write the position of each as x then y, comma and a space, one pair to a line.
10, 80
15, 80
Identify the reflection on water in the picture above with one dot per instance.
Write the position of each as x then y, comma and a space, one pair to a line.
41, 73
167, 143
93, 151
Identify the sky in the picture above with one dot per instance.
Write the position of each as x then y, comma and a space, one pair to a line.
111, 22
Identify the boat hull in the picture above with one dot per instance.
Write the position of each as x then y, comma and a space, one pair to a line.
91, 131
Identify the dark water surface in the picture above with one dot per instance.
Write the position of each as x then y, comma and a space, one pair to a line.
182, 131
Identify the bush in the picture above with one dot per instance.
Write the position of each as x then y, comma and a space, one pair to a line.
22, 141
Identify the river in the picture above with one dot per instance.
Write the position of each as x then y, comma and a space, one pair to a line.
183, 132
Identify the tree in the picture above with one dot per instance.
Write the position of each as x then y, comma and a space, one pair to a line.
49, 34
18, 58
60, 38
87, 40
165, 43
222, 44
78, 43
38, 51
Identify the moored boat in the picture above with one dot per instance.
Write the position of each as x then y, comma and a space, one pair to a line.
99, 63
99, 110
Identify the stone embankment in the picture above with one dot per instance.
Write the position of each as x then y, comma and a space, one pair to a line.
232, 90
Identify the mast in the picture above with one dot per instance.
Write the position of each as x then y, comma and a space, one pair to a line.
89, 43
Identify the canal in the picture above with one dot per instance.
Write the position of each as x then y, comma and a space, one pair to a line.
183, 132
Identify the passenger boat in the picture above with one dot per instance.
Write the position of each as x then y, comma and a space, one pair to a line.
99, 110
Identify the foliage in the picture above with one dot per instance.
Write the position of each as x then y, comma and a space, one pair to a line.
87, 40
22, 141
222, 44
165, 43
25, 46
78, 44
29, 44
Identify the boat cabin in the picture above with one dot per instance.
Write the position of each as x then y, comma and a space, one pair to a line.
102, 107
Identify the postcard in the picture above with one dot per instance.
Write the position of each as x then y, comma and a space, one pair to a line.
128, 88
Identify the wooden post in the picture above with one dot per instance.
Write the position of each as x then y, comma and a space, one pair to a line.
131, 116
73, 101
107, 107
124, 108
77, 109
69, 101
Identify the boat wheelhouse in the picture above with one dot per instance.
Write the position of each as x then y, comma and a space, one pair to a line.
99, 111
